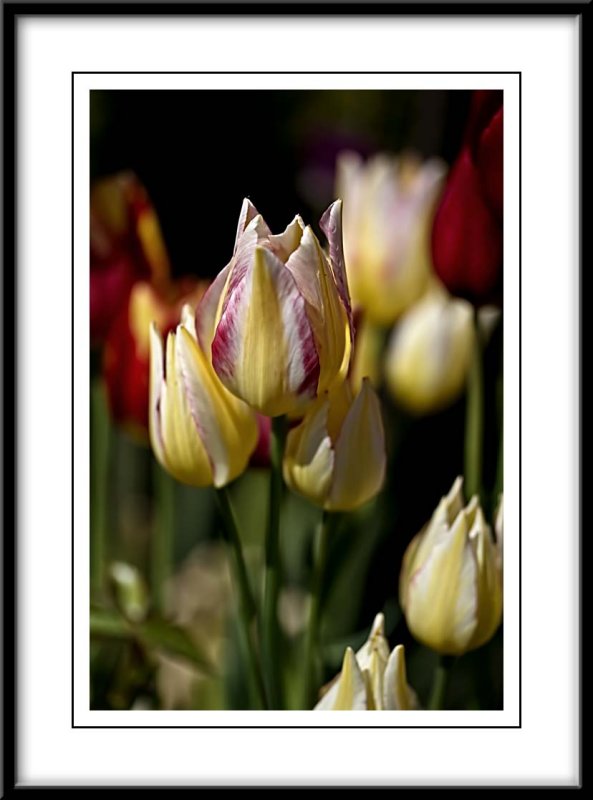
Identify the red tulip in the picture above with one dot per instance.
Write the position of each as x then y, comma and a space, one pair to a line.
126, 355
126, 245
467, 235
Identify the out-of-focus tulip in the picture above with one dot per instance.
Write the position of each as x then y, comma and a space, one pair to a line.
367, 353
388, 206
280, 313
467, 236
336, 456
131, 592
199, 431
126, 246
372, 679
430, 352
126, 351
450, 583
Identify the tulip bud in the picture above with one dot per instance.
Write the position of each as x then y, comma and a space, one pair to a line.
372, 679
126, 245
388, 207
467, 233
450, 583
280, 314
429, 353
199, 432
126, 350
336, 456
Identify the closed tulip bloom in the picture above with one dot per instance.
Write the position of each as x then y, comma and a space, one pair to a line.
467, 237
388, 205
200, 432
373, 679
451, 584
126, 351
280, 314
336, 456
429, 353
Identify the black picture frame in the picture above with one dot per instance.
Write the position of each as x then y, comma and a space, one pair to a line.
14, 11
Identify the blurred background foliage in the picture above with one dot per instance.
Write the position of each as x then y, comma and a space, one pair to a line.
198, 154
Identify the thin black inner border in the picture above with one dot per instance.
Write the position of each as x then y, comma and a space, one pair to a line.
295, 727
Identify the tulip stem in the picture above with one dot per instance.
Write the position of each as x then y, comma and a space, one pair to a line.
101, 446
162, 544
312, 643
270, 631
247, 607
474, 418
440, 682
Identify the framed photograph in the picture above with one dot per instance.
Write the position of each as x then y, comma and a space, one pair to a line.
292, 319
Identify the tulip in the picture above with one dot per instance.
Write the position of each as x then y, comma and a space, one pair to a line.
467, 236
430, 352
387, 214
450, 584
126, 245
336, 456
277, 319
200, 432
372, 679
126, 350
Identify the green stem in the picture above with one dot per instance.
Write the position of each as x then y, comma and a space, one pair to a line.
247, 607
270, 630
312, 640
474, 419
162, 544
100, 457
439, 684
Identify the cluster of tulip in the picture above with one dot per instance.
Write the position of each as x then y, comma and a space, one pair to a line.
290, 338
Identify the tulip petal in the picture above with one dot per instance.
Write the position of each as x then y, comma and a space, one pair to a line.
264, 314
309, 457
397, 694
349, 692
441, 607
186, 457
315, 281
157, 377
209, 309
331, 225
284, 244
489, 586
222, 420
248, 212
360, 453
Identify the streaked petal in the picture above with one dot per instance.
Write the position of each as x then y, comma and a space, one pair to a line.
284, 244
247, 213
360, 453
331, 225
210, 307
263, 349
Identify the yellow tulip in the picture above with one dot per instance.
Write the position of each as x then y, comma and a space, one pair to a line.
200, 432
430, 352
451, 583
388, 208
336, 456
372, 679
277, 319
